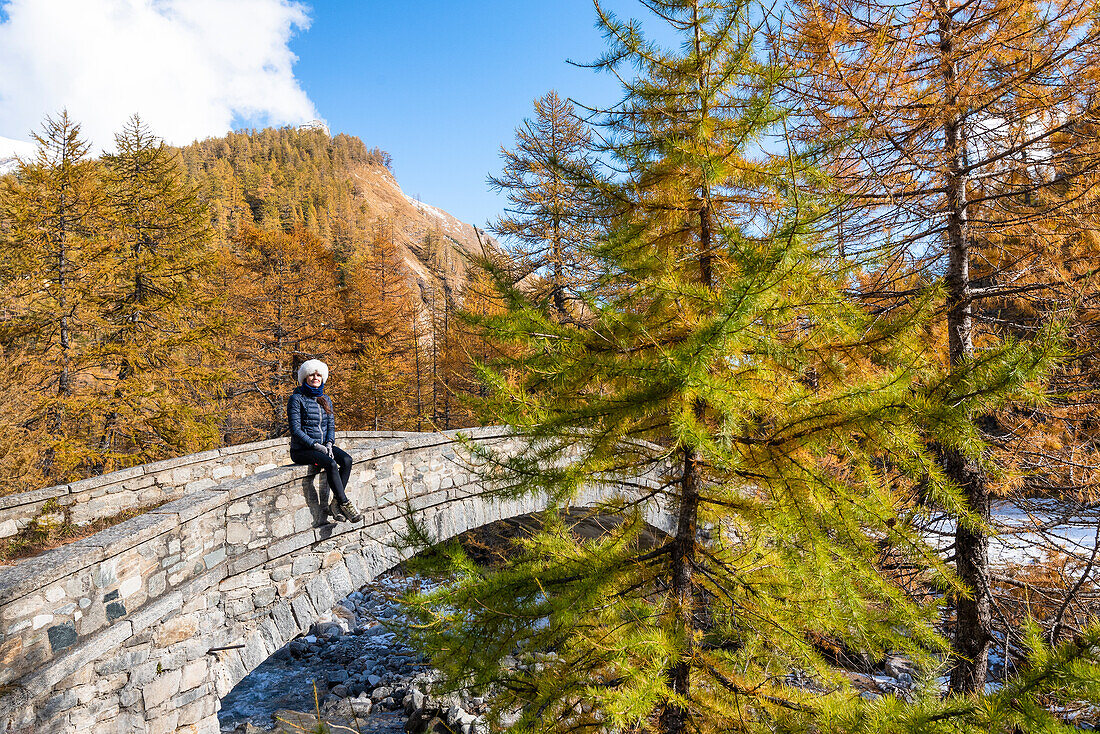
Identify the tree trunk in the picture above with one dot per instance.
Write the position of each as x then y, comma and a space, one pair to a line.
706, 257
557, 253
416, 367
55, 421
64, 380
674, 716
973, 614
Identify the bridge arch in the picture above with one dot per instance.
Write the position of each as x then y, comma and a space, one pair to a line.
145, 626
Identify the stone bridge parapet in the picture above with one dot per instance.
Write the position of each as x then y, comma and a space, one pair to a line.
97, 498
143, 627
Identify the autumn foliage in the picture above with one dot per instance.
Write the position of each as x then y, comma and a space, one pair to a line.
156, 301
827, 267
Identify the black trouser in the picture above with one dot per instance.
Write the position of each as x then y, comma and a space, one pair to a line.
338, 468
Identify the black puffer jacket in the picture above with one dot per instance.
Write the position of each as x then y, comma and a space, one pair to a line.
309, 423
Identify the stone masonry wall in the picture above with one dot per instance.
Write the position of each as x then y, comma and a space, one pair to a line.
145, 626
100, 497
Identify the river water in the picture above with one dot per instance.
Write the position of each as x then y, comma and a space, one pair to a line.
359, 651
368, 652
1025, 532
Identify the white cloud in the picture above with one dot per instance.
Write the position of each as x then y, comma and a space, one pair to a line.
188, 67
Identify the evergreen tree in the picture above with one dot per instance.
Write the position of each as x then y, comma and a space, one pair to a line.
694, 360
53, 237
438, 323
284, 288
445, 358
551, 215
378, 315
159, 318
951, 131
288, 180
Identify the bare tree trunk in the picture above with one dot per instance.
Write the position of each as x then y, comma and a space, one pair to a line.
706, 257
416, 367
446, 352
107, 437
275, 378
435, 361
557, 253
973, 614
56, 418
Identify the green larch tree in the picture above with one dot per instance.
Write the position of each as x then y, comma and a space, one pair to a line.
693, 360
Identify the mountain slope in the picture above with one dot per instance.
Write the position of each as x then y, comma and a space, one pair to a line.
416, 225
335, 188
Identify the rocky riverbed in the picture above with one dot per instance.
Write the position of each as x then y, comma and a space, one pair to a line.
352, 669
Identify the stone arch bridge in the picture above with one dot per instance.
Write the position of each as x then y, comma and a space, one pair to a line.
143, 627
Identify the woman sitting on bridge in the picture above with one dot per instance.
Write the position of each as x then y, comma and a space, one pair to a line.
313, 435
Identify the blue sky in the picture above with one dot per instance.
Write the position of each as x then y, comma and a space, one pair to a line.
439, 84
442, 85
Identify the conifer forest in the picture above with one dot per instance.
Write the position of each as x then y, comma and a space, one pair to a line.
157, 301
831, 266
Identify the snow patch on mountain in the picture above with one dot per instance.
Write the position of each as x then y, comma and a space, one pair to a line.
11, 151
449, 223
454, 227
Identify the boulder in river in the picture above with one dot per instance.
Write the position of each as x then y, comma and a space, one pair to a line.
427, 721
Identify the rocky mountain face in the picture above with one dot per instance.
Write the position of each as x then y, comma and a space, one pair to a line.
433, 243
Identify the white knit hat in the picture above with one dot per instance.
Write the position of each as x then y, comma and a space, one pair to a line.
310, 366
